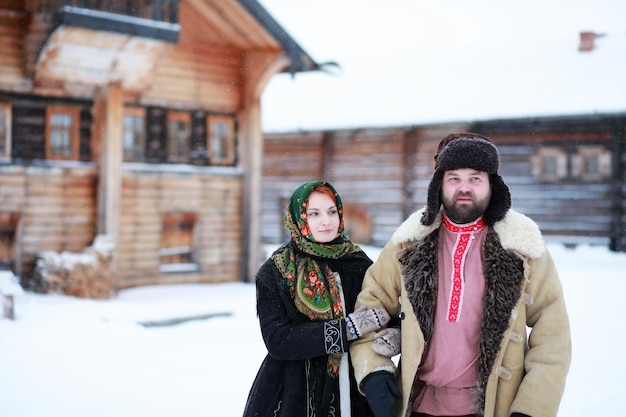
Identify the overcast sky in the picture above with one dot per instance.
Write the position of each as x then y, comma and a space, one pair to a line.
420, 61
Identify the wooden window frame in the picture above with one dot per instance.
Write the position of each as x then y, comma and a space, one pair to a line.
214, 159
5, 131
74, 131
579, 163
178, 116
538, 164
129, 156
170, 256
9, 225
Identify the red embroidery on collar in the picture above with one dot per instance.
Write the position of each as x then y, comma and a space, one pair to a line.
472, 227
463, 240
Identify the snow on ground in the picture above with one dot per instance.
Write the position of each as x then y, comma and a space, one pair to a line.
70, 357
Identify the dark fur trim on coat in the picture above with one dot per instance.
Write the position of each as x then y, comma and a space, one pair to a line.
504, 278
421, 266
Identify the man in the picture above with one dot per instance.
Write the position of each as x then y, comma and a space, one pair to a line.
466, 280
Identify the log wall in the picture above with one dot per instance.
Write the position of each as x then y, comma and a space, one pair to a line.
288, 161
569, 211
368, 167
13, 29
381, 175
216, 199
56, 206
386, 172
198, 75
57, 210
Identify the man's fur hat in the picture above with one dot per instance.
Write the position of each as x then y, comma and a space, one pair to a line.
468, 150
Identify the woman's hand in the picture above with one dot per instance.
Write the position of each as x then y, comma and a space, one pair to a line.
364, 320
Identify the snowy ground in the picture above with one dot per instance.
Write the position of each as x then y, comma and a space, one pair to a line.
71, 357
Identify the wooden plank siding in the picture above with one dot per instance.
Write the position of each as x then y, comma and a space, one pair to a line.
13, 28
288, 162
367, 167
557, 208
146, 196
208, 77
57, 206
386, 172
571, 210
382, 172
138, 124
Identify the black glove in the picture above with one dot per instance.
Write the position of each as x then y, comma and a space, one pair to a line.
381, 393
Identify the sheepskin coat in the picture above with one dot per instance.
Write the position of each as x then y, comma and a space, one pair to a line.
517, 372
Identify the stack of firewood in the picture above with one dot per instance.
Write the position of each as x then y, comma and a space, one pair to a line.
87, 274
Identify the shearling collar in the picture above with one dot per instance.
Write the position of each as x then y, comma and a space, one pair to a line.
516, 232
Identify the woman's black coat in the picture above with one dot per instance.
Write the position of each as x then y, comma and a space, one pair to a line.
296, 345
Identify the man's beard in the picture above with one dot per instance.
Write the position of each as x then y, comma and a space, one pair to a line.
465, 213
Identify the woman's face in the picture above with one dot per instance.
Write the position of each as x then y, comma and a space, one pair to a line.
322, 217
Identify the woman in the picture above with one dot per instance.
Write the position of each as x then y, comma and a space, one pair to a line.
305, 300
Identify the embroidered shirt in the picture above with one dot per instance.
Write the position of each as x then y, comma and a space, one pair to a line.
449, 367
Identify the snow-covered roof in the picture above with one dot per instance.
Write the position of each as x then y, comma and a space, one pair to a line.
423, 61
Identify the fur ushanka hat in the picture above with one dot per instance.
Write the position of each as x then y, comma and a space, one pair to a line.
468, 150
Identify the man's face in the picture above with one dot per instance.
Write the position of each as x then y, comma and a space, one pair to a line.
466, 194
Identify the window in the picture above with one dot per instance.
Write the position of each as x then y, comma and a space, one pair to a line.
62, 125
9, 222
221, 140
177, 242
134, 135
5, 130
178, 137
591, 163
550, 164
584, 162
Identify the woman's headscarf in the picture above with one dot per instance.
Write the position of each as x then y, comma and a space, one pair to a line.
308, 270
305, 263
296, 223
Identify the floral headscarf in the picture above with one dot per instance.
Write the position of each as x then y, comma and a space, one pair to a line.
296, 223
312, 283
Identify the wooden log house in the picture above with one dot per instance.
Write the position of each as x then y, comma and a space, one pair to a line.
138, 120
567, 173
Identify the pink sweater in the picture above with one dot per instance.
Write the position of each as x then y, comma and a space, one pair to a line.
449, 367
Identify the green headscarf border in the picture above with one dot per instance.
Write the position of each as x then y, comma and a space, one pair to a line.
297, 225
